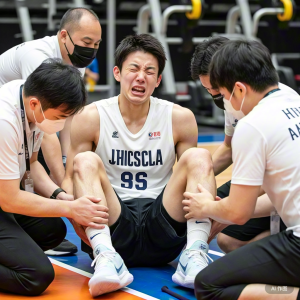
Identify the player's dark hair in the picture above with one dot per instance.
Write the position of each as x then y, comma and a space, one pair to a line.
56, 84
245, 61
203, 54
142, 42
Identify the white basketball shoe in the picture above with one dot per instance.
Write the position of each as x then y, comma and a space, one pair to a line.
191, 262
110, 275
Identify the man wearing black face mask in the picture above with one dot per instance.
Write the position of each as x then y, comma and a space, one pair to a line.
234, 236
76, 42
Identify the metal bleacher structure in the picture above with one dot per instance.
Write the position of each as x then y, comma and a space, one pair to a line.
230, 18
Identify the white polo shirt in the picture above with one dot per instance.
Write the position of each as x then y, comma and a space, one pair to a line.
266, 147
231, 122
20, 61
12, 152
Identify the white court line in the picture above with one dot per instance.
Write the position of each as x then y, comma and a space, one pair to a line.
216, 253
89, 275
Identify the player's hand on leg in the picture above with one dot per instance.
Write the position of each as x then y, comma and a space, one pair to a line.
87, 211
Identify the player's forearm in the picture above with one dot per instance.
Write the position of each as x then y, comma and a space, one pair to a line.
43, 185
53, 157
263, 207
222, 158
32, 205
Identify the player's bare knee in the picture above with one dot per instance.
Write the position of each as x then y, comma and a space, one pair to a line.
87, 162
196, 158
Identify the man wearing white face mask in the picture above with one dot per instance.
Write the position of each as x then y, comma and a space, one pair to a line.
233, 236
29, 222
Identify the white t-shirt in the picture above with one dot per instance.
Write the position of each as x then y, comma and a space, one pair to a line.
231, 122
12, 152
20, 61
266, 147
137, 165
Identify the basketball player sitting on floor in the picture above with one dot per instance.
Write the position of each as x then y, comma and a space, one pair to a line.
123, 150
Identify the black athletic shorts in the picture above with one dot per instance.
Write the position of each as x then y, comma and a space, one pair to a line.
142, 235
249, 230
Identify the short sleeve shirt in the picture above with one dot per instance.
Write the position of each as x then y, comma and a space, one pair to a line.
265, 151
12, 153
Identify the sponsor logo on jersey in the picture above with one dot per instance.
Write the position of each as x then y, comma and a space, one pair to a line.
115, 135
154, 135
136, 158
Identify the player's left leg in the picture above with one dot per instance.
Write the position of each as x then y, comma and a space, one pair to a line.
195, 166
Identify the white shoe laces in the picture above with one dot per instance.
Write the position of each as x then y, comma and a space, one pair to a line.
198, 255
104, 257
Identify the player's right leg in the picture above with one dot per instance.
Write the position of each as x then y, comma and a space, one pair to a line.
90, 178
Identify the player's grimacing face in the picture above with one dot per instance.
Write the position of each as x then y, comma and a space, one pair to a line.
139, 77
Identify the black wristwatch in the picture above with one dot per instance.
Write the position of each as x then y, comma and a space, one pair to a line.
56, 192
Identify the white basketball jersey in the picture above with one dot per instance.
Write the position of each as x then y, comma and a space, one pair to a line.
138, 165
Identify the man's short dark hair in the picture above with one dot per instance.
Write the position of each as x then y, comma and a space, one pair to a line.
141, 42
71, 19
203, 54
245, 61
57, 84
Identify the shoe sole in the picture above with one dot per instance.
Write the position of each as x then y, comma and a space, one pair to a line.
107, 285
59, 253
180, 279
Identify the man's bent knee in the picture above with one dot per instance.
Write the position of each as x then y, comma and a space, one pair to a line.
37, 281
87, 161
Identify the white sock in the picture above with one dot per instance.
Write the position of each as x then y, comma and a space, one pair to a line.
98, 237
197, 230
